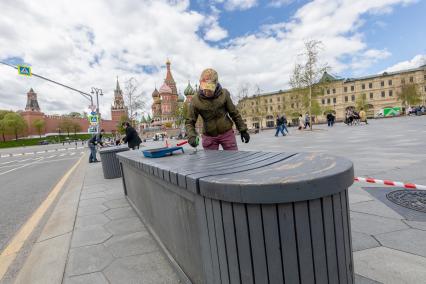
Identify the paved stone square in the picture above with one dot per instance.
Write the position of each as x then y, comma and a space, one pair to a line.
111, 245
388, 240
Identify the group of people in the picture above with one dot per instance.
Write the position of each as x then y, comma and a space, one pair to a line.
304, 122
355, 118
331, 119
419, 110
281, 123
131, 138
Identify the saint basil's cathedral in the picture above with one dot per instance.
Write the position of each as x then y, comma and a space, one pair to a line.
167, 100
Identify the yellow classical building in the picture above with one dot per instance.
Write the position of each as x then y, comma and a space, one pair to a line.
339, 95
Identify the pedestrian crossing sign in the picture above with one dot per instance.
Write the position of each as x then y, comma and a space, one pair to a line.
24, 70
93, 119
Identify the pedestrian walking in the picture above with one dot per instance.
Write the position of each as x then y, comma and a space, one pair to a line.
330, 119
214, 104
132, 138
279, 128
93, 142
363, 116
284, 126
307, 122
301, 122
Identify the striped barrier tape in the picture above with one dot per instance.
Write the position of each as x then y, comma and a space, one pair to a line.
391, 183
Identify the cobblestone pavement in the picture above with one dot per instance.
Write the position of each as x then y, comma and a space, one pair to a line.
109, 243
389, 241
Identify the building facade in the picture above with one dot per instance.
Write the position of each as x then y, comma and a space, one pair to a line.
339, 95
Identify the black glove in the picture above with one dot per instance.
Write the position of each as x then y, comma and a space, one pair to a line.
245, 137
193, 141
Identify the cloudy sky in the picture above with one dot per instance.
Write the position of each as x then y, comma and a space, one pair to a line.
88, 43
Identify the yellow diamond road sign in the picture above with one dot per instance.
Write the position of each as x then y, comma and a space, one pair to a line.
24, 70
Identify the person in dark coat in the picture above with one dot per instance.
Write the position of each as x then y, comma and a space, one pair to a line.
93, 142
132, 138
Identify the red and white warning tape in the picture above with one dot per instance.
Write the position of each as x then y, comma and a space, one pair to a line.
391, 183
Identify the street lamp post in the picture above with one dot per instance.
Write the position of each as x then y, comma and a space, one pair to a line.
97, 92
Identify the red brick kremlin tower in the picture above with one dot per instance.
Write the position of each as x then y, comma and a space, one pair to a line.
32, 111
118, 109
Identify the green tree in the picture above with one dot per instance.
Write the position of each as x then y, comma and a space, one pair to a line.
39, 125
120, 128
3, 128
75, 114
180, 114
306, 75
14, 124
409, 95
66, 125
76, 127
362, 103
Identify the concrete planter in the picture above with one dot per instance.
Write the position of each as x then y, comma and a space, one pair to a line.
246, 217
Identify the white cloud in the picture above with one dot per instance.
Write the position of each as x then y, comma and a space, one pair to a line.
239, 4
416, 61
279, 3
88, 43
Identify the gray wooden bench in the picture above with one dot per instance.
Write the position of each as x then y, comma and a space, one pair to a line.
246, 217
110, 164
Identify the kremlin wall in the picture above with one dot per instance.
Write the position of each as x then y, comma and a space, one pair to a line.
33, 112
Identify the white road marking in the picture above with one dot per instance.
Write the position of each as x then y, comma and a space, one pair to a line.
24, 160
51, 151
63, 149
50, 156
29, 153
16, 155
81, 153
39, 152
61, 155
5, 156
23, 166
72, 154
7, 162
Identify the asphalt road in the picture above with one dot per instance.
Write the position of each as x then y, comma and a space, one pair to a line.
27, 175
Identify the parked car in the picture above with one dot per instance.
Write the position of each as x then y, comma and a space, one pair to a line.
43, 142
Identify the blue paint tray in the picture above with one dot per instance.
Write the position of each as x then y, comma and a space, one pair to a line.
161, 152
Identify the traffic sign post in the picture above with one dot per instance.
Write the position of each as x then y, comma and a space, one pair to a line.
93, 119
24, 70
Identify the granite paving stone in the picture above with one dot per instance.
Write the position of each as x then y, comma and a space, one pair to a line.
91, 278
372, 225
94, 188
91, 235
89, 195
410, 240
120, 213
152, 266
361, 241
131, 244
90, 220
92, 201
88, 259
390, 266
364, 280
417, 225
375, 207
116, 203
91, 210
125, 226
112, 196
